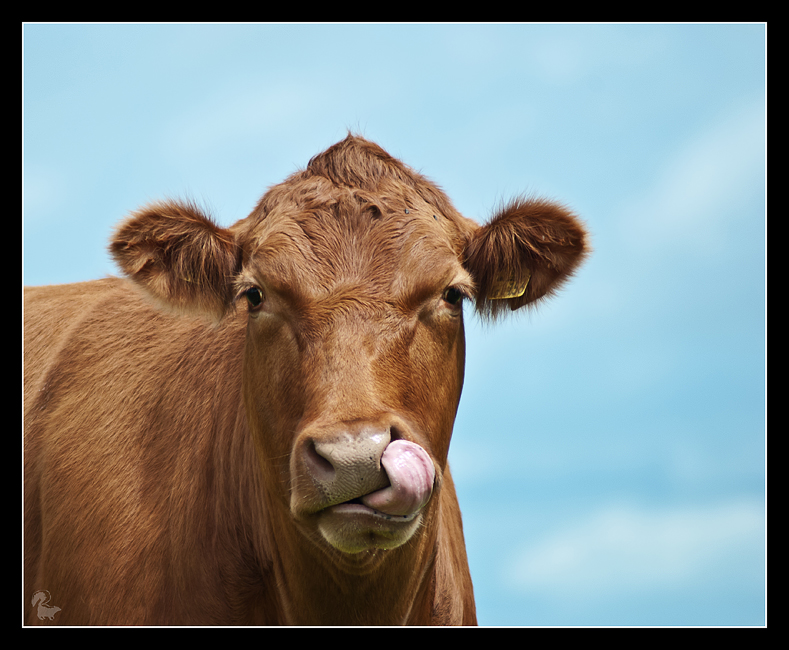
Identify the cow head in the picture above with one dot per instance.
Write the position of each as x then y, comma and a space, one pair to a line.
351, 277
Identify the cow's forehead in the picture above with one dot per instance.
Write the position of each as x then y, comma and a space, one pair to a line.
318, 235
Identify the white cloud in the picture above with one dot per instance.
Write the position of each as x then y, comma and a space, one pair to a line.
621, 550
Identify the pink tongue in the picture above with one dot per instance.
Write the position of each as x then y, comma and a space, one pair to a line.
411, 475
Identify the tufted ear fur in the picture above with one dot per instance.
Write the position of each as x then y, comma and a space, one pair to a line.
179, 256
530, 242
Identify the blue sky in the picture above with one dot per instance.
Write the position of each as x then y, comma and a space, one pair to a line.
610, 447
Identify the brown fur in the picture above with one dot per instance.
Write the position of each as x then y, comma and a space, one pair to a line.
169, 463
527, 236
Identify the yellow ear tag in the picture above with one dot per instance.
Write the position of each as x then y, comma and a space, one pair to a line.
503, 289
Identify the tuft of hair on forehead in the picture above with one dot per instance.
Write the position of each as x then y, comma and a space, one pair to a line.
359, 163
369, 173
356, 162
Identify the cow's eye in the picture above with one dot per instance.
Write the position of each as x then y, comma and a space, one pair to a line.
254, 297
453, 296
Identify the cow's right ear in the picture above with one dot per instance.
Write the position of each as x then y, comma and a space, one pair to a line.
527, 250
179, 256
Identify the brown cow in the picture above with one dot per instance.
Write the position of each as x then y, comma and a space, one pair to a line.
287, 463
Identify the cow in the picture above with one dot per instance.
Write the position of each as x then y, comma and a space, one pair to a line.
251, 427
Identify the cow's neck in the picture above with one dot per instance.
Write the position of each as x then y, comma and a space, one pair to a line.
382, 587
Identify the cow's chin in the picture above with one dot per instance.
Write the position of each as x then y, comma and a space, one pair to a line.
355, 527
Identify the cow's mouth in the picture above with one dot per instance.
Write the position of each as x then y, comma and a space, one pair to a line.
357, 507
354, 527
389, 516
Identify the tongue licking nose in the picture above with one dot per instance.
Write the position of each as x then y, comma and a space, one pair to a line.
411, 474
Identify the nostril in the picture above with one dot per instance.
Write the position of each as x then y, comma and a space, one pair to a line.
320, 465
394, 433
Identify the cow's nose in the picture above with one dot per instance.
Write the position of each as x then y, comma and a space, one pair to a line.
346, 464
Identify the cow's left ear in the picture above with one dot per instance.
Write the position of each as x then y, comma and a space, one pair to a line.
527, 251
180, 257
